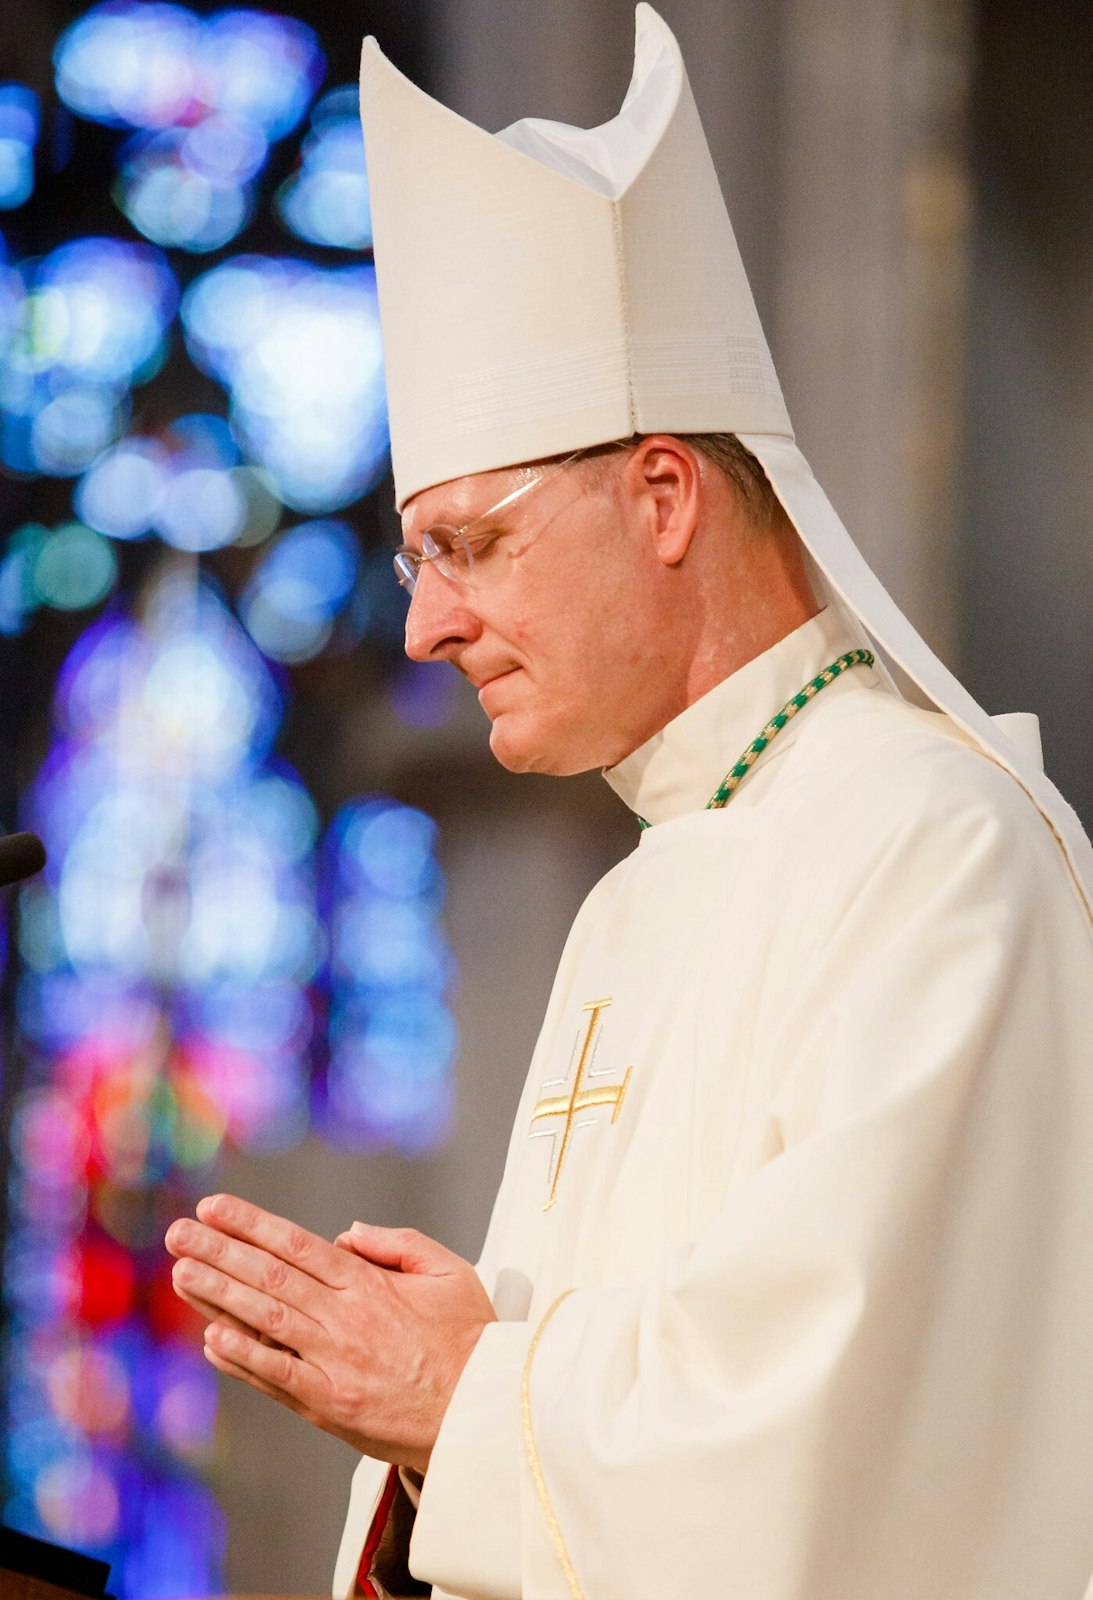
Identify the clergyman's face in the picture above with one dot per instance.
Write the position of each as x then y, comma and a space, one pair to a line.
552, 625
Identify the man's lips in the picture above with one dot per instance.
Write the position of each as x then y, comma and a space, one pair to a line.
483, 682
488, 684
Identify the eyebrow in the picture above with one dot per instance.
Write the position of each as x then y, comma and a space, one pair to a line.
497, 510
513, 495
415, 549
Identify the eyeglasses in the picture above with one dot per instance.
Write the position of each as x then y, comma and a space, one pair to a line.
457, 553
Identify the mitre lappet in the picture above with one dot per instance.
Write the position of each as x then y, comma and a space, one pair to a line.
550, 287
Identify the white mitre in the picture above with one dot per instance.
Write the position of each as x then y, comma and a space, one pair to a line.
550, 287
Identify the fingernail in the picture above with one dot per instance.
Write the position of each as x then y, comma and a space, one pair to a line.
360, 1227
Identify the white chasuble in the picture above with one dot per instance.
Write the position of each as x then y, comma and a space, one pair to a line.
793, 1250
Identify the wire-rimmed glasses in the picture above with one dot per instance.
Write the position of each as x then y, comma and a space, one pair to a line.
454, 551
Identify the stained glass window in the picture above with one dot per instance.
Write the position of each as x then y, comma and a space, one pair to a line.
204, 965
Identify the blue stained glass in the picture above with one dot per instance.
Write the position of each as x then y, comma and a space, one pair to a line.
177, 1549
98, 308
178, 200
133, 64
391, 1033
129, 64
263, 69
179, 903
121, 492
19, 120
298, 589
191, 954
326, 201
298, 349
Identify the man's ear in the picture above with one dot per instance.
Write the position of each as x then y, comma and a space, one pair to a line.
664, 474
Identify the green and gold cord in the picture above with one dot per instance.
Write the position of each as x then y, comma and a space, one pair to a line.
740, 769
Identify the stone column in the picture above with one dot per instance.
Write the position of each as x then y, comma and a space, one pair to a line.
868, 327
1027, 598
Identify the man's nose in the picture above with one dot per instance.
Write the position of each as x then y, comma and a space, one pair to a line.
441, 618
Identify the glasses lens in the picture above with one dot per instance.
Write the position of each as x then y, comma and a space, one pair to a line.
406, 571
457, 553
449, 552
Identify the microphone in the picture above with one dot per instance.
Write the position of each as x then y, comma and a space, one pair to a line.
21, 855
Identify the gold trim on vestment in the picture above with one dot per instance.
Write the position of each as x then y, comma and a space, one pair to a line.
535, 1464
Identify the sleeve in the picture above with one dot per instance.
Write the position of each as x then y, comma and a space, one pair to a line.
869, 1376
373, 1559
370, 1501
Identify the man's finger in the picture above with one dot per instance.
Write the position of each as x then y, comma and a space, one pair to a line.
211, 1313
253, 1311
305, 1251
277, 1371
232, 1369
248, 1264
400, 1249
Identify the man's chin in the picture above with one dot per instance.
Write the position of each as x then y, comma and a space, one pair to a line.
520, 746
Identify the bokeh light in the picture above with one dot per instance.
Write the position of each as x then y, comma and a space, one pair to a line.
298, 589
202, 508
326, 200
259, 68
74, 568
178, 201
206, 96
121, 492
98, 309
130, 65
298, 349
86, 322
12, 294
392, 1035
19, 122
133, 64
71, 430
189, 487
200, 966
167, 954
70, 568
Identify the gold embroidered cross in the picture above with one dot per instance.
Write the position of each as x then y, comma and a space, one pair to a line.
579, 1098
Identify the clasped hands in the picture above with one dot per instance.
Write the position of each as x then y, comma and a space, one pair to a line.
365, 1338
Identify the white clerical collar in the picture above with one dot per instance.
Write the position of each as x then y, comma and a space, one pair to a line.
678, 769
